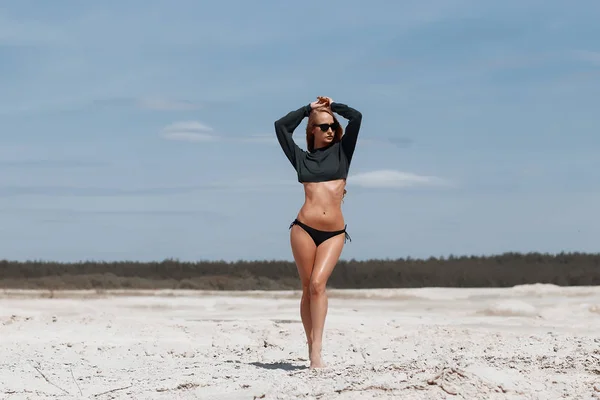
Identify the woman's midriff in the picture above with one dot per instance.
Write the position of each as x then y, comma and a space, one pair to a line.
322, 208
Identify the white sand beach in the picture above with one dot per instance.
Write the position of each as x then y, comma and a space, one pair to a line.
526, 342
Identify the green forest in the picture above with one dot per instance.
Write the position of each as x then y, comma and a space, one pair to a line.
502, 270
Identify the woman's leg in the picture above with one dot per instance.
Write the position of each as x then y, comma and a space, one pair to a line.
304, 251
327, 256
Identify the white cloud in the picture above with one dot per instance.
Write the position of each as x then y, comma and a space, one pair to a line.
195, 131
394, 179
189, 131
188, 126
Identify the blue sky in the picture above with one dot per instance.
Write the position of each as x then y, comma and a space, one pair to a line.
143, 130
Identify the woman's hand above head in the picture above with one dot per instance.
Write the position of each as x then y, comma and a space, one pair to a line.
326, 100
318, 104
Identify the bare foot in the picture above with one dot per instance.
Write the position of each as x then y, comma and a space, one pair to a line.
315, 358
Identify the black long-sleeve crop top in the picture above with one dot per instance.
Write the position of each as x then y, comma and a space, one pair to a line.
325, 163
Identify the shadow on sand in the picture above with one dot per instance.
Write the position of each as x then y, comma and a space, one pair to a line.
279, 365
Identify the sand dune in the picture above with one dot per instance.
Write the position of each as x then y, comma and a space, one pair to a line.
526, 342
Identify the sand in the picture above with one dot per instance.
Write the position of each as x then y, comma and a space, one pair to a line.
526, 342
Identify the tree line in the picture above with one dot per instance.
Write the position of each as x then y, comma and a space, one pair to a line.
501, 270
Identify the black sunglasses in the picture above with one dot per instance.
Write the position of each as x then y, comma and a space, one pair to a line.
325, 127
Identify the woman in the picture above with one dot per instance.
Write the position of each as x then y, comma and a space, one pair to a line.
318, 233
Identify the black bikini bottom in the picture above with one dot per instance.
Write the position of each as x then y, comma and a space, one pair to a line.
319, 236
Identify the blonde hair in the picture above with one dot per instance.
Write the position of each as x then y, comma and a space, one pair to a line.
310, 137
